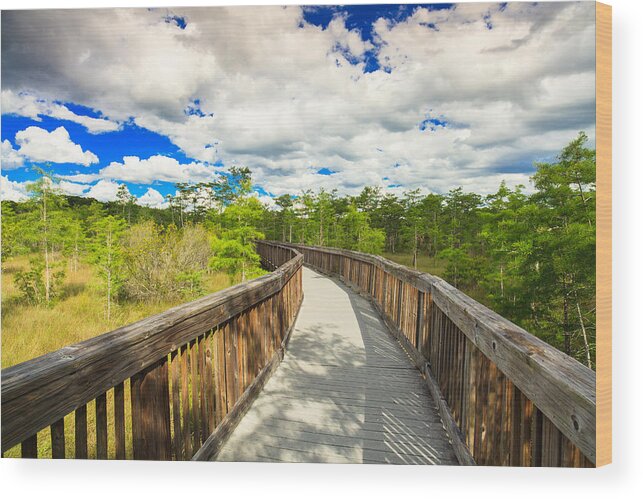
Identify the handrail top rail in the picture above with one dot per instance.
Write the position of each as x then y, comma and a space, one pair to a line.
97, 364
562, 388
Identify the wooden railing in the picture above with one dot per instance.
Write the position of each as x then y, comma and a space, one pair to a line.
507, 398
171, 386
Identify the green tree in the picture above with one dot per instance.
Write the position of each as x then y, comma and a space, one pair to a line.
43, 226
233, 247
107, 255
126, 202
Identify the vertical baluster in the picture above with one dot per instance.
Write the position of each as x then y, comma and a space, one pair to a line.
80, 432
537, 433
220, 373
203, 404
58, 439
151, 413
194, 383
210, 382
175, 369
101, 426
185, 404
29, 447
119, 420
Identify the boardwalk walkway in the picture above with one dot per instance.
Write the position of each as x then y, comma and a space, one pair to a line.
344, 393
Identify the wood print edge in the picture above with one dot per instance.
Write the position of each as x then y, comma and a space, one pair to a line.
603, 234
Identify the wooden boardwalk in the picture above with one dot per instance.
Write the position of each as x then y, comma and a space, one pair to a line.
344, 393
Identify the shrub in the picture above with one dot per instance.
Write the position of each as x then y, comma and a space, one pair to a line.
31, 283
164, 264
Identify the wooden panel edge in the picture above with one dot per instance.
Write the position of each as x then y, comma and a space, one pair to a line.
603, 234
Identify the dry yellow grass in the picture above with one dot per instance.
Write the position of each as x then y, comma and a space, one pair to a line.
29, 331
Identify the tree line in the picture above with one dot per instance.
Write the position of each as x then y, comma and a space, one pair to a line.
139, 253
530, 257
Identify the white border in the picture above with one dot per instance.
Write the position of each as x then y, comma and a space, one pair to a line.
68, 479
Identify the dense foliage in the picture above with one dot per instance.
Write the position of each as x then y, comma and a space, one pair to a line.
530, 257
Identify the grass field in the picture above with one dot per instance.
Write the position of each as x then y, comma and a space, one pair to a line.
30, 331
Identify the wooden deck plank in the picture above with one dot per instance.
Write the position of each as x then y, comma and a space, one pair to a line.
345, 393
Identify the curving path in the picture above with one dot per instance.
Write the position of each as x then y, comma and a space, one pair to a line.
344, 393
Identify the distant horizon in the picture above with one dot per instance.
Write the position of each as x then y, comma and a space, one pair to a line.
429, 96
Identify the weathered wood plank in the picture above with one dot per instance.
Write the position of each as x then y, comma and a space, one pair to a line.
193, 360
58, 439
185, 405
80, 432
101, 426
175, 369
29, 447
151, 410
119, 421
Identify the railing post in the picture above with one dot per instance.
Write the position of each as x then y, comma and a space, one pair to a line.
151, 413
420, 320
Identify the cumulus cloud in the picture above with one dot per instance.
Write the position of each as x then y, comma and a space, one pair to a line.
511, 82
153, 199
11, 159
40, 145
12, 191
147, 171
72, 188
28, 105
103, 190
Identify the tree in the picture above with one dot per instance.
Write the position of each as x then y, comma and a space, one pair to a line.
107, 255
233, 248
126, 201
359, 235
44, 227
286, 216
10, 231
563, 261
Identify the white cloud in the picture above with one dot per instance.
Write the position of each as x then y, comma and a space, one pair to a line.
104, 190
153, 199
283, 98
11, 159
72, 188
40, 145
12, 191
156, 168
27, 104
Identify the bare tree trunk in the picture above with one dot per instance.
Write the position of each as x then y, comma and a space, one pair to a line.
76, 253
567, 340
109, 276
502, 282
585, 342
46, 234
415, 249
109, 295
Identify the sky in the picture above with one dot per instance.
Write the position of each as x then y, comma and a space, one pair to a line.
428, 96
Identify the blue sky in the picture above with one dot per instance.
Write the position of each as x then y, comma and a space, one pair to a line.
429, 96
